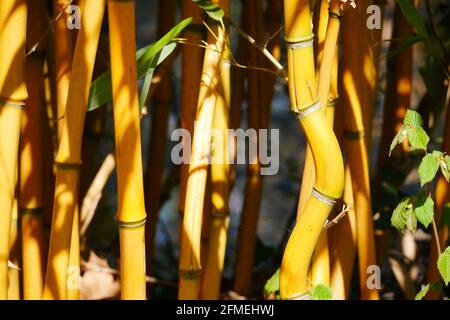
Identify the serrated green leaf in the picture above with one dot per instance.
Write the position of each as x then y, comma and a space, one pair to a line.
444, 265
211, 9
398, 219
429, 166
273, 284
413, 118
411, 220
413, 17
321, 292
424, 209
399, 137
147, 59
418, 138
422, 292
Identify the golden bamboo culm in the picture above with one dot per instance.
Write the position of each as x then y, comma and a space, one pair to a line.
13, 95
31, 159
189, 265
68, 159
324, 146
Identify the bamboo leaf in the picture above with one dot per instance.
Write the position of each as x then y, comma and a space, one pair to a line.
424, 209
321, 292
444, 265
429, 166
147, 59
398, 219
211, 9
406, 42
413, 17
422, 292
273, 284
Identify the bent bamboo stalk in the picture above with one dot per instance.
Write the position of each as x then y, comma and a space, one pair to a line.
189, 265
325, 148
68, 159
13, 94
131, 207
31, 160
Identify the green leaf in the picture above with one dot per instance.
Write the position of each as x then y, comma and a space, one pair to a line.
321, 292
147, 59
411, 220
413, 118
444, 265
445, 169
273, 284
399, 137
429, 166
424, 209
398, 219
406, 42
413, 17
422, 292
211, 9
418, 138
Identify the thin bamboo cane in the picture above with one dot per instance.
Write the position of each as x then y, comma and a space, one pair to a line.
220, 184
442, 196
13, 94
253, 188
63, 57
31, 159
162, 104
342, 239
131, 206
192, 61
14, 253
356, 96
190, 266
68, 159
325, 149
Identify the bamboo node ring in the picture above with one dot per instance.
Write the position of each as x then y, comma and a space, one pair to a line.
302, 114
335, 15
35, 212
322, 197
9, 103
300, 43
133, 224
354, 135
190, 274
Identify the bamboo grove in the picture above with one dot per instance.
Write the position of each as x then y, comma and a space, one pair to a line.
134, 152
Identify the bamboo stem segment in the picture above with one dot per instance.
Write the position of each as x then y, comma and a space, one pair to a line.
131, 208
68, 159
13, 94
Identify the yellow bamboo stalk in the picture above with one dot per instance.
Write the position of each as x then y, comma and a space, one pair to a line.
442, 196
189, 265
162, 104
63, 57
192, 61
14, 253
342, 239
325, 149
356, 96
68, 158
31, 160
131, 207
13, 94
220, 184
253, 188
